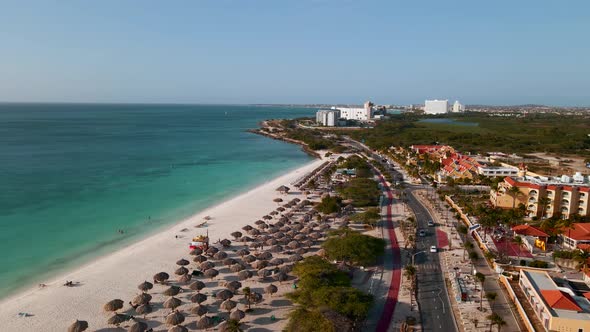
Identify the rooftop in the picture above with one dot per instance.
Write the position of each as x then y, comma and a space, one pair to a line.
576, 180
529, 230
579, 231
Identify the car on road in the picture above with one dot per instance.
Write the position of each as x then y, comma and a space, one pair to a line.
422, 233
433, 249
430, 223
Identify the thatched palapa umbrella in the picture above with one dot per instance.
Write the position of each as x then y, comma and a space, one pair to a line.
161, 277
78, 326
143, 298
185, 278
237, 314
254, 232
245, 274
145, 286
182, 262
249, 258
178, 328
206, 266
181, 270
286, 268
204, 323
211, 273
138, 327
246, 239
117, 319
196, 251
271, 289
301, 251
113, 305
212, 251
264, 255
228, 305
267, 217
263, 273
236, 234
260, 264
229, 261
233, 285
280, 277
172, 291
198, 298
199, 310
295, 258
248, 227
276, 248
225, 243
172, 303
224, 294
258, 222
283, 189
175, 318
237, 267
144, 309
220, 255
197, 285
200, 259
276, 261
242, 252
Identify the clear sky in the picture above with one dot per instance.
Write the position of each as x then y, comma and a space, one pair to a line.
492, 52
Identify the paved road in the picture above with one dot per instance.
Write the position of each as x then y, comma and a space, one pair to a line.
435, 308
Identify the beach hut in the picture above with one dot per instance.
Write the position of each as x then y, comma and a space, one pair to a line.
78, 326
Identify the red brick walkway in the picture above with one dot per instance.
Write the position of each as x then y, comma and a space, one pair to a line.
442, 239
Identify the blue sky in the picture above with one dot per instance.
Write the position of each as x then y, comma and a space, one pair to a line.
490, 52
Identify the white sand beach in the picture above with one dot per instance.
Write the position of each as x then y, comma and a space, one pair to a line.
116, 276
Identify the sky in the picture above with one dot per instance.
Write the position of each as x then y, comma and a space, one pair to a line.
390, 52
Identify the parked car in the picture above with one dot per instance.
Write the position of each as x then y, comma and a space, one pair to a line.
433, 249
430, 223
422, 233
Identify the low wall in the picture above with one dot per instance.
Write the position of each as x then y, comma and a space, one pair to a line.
519, 308
568, 263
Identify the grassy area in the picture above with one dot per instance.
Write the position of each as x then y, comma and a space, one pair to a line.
532, 133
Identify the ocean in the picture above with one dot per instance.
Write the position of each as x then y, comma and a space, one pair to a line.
73, 175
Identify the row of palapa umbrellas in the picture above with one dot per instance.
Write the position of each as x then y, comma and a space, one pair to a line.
284, 232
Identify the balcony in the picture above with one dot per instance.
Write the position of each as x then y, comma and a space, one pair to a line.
533, 193
565, 194
565, 202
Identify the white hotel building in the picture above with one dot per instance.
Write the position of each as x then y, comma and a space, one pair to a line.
360, 114
328, 118
436, 106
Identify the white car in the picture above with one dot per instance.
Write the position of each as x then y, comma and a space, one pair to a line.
433, 249
430, 223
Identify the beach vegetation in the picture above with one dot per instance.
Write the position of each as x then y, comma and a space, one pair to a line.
362, 191
353, 247
370, 217
329, 204
325, 297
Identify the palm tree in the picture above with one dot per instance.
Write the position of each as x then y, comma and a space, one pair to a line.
410, 273
544, 202
481, 278
518, 240
491, 297
566, 223
514, 192
581, 257
496, 319
247, 295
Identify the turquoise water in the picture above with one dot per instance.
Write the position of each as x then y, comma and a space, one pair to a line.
72, 175
450, 121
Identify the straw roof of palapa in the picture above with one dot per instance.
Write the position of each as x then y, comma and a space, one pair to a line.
145, 286
138, 327
142, 298
172, 291
228, 305
172, 303
197, 285
175, 318
224, 294
78, 326
198, 298
199, 310
144, 309
113, 305
237, 314
178, 328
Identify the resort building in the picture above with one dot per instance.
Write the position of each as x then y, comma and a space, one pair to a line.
495, 171
458, 107
577, 236
328, 118
360, 114
545, 196
436, 106
558, 307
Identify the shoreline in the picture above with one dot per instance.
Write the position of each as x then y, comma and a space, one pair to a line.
117, 274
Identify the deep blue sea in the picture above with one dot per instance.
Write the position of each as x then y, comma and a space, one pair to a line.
71, 175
